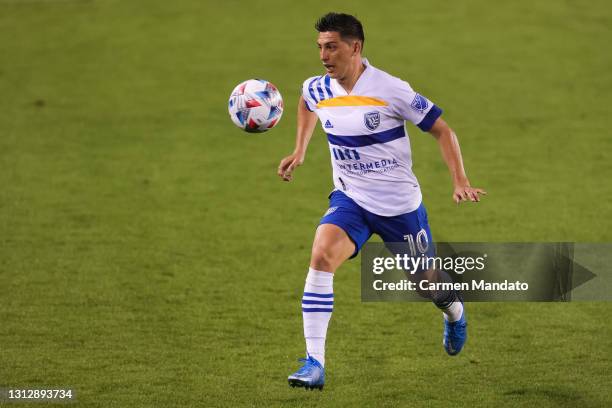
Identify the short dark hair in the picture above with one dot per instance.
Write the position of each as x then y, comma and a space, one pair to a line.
346, 25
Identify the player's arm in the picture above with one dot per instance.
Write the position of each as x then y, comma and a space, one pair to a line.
449, 147
306, 121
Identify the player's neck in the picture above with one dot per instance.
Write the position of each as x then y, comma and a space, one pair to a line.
349, 81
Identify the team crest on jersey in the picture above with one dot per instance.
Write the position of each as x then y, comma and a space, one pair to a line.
371, 120
419, 103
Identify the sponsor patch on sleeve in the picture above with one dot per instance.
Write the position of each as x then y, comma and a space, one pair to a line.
419, 103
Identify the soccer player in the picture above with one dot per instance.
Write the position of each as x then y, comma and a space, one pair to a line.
363, 109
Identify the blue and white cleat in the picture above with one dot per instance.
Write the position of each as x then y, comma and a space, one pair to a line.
310, 376
455, 335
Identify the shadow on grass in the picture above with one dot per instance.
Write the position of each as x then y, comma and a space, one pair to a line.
559, 396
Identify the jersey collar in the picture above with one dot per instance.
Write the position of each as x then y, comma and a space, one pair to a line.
339, 90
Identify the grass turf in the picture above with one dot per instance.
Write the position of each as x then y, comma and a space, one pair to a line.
150, 257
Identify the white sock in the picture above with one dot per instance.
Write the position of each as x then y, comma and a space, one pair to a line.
453, 312
317, 307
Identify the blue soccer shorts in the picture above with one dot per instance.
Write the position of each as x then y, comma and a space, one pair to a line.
359, 224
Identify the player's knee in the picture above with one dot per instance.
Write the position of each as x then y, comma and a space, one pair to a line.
323, 259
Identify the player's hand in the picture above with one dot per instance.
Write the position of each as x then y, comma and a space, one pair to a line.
288, 164
467, 193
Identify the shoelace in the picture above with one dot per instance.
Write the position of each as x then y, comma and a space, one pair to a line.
306, 368
453, 329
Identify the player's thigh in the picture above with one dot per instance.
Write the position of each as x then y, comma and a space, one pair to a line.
342, 231
331, 247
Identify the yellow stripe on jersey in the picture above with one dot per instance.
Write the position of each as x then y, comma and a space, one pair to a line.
351, 100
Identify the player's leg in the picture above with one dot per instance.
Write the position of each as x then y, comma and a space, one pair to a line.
331, 247
450, 303
413, 229
341, 233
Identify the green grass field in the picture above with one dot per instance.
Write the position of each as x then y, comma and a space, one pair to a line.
149, 255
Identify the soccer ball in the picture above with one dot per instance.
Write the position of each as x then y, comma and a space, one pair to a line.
255, 105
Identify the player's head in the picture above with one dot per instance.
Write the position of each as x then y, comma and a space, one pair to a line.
340, 43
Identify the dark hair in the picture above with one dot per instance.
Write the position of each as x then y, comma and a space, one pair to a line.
344, 24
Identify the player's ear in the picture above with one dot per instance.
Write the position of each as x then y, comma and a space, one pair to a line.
356, 47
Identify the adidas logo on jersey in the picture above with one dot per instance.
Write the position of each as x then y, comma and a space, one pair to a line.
330, 210
328, 124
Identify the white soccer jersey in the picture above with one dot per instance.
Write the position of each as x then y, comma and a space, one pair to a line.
370, 150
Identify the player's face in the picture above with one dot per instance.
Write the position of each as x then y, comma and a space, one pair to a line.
336, 53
